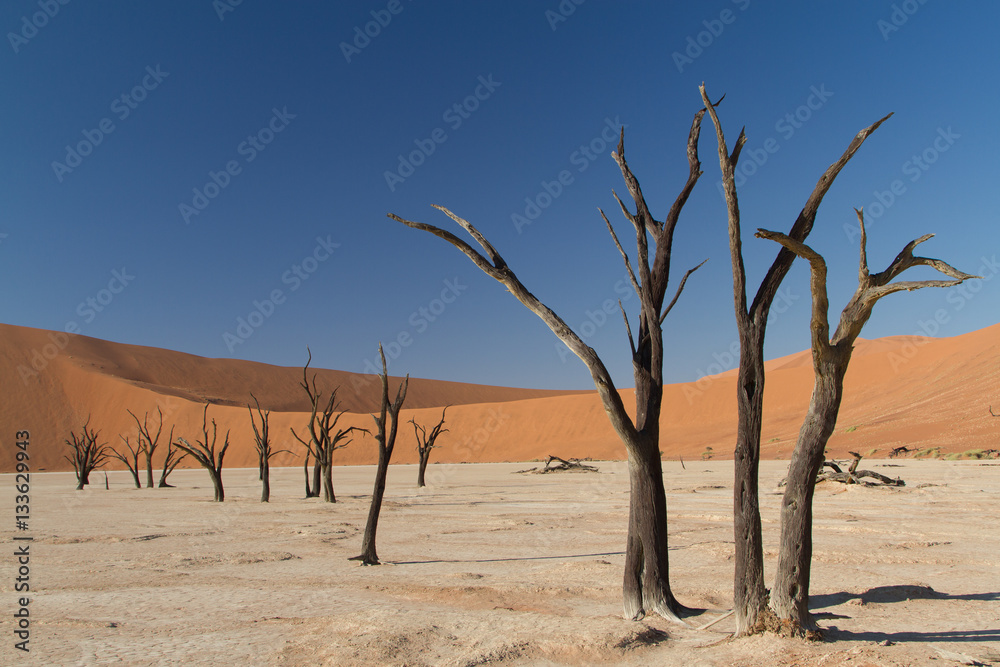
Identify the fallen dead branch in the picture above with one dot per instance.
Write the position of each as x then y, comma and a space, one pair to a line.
556, 464
852, 475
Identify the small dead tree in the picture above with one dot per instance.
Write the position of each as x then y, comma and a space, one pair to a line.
646, 581
131, 460
386, 441
262, 442
88, 454
324, 436
750, 598
425, 443
831, 356
204, 452
148, 441
170, 462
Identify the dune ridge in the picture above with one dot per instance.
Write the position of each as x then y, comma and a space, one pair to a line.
901, 390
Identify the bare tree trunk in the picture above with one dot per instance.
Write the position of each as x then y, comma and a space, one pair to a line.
790, 597
749, 593
317, 474
220, 493
305, 472
386, 438
328, 495
265, 477
425, 456
369, 556
149, 469
646, 585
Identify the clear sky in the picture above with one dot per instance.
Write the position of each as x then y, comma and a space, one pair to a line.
170, 167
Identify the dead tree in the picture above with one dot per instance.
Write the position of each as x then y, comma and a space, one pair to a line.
170, 461
749, 594
854, 476
204, 452
324, 436
646, 585
148, 441
556, 464
131, 460
425, 443
386, 441
88, 455
831, 356
262, 442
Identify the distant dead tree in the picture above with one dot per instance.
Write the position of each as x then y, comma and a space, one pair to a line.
425, 443
131, 460
831, 356
324, 438
750, 597
88, 454
262, 442
386, 441
170, 462
646, 585
148, 442
204, 452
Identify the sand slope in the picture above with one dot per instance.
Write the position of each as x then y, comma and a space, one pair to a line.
902, 390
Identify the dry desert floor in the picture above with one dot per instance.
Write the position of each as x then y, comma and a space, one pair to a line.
489, 567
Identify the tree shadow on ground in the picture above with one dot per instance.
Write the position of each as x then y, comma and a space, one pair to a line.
504, 560
901, 593
898, 593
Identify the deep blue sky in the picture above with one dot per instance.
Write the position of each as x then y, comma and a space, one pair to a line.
553, 91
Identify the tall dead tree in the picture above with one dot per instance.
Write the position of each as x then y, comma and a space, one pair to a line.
831, 356
262, 442
750, 597
131, 460
88, 454
324, 438
204, 452
425, 443
148, 441
646, 584
386, 442
170, 461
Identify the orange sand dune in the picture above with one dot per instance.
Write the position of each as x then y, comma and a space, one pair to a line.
903, 390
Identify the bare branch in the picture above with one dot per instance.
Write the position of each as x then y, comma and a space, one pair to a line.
628, 328
820, 325
680, 288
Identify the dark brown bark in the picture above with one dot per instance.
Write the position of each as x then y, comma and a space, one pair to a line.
131, 460
148, 441
386, 442
425, 443
204, 452
831, 356
170, 462
262, 443
647, 586
749, 593
324, 438
88, 454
